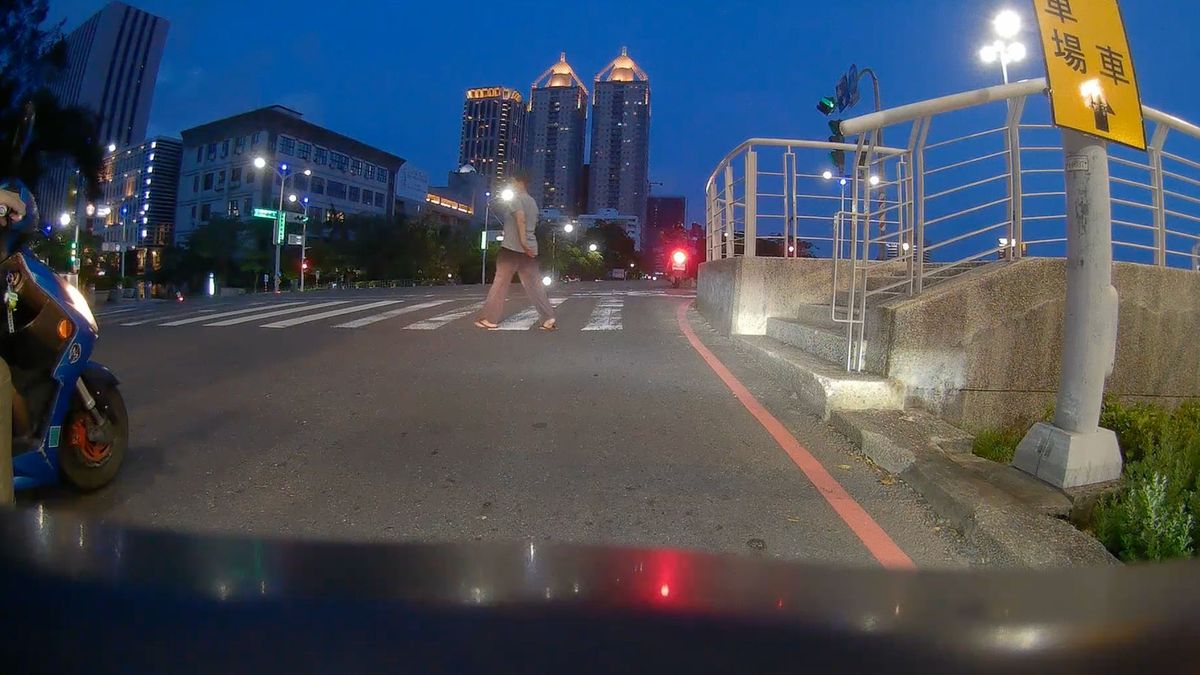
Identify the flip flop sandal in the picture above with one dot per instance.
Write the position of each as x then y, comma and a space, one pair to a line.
486, 325
548, 328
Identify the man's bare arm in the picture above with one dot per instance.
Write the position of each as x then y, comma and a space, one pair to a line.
520, 214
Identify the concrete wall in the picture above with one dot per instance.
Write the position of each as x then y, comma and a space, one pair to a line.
738, 295
985, 349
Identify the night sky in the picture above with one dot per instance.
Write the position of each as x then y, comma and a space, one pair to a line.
392, 73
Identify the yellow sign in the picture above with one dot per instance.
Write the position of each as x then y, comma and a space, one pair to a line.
1093, 85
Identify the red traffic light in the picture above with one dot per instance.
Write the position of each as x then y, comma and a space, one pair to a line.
304, 265
680, 257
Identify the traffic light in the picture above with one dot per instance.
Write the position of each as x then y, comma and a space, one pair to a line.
837, 157
304, 265
74, 252
826, 105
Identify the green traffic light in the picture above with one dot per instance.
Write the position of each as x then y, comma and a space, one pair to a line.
826, 105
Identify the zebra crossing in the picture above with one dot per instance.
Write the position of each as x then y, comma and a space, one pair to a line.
605, 312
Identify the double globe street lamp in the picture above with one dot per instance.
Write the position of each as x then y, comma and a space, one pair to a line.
284, 172
1006, 50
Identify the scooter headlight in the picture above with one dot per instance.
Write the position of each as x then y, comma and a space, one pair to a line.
79, 303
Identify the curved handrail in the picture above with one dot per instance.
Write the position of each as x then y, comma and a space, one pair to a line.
790, 143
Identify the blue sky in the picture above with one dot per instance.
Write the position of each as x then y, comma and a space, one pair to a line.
392, 73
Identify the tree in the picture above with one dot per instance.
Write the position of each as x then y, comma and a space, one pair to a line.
31, 55
616, 247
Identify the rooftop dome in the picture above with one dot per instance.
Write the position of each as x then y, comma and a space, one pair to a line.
559, 75
622, 69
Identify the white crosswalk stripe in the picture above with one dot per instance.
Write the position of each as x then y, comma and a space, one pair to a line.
201, 315
207, 317
274, 313
525, 320
390, 314
288, 323
436, 322
606, 316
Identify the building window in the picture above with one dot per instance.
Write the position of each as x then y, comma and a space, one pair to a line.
225, 149
368, 197
379, 199
287, 146
247, 206
354, 194
234, 209
256, 138
195, 183
318, 186
304, 150
221, 179
250, 176
370, 174
193, 212
200, 154
338, 161
356, 167
212, 151
240, 146
235, 176
383, 175
320, 156
208, 181
205, 213
300, 182
337, 189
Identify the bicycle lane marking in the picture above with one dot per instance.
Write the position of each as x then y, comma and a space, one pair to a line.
869, 532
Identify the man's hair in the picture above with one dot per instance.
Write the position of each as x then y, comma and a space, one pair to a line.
520, 176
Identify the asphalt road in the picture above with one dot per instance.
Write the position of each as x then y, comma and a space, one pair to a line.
385, 415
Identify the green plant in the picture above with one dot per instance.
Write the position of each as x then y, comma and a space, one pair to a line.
1152, 526
998, 445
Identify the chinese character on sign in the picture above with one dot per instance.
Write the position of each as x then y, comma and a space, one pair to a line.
1112, 65
1061, 9
1070, 49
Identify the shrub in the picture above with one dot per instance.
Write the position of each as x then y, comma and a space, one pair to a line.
1147, 524
998, 445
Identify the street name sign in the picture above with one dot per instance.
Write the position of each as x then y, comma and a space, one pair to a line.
269, 214
1093, 84
295, 239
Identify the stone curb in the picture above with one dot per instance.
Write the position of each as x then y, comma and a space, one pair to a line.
1011, 518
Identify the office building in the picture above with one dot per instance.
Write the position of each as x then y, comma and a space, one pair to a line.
137, 205
555, 133
218, 178
493, 132
620, 153
663, 215
112, 66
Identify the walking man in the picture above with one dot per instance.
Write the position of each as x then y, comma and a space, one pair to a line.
518, 253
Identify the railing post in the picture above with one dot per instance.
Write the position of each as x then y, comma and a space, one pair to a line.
730, 233
1154, 153
918, 197
1016, 194
790, 208
710, 230
750, 182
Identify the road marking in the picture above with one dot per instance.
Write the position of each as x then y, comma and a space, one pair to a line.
390, 314
877, 541
203, 314
206, 317
124, 310
436, 322
287, 323
607, 315
525, 320
273, 313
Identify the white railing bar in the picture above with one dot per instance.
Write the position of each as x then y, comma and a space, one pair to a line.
1181, 160
1044, 194
791, 144
1034, 242
968, 186
1038, 126
1184, 197
1186, 179
1131, 183
807, 217
1030, 172
930, 172
1131, 163
1183, 215
1126, 202
830, 198
940, 144
970, 259
1177, 233
1136, 226
965, 212
966, 235
1037, 218
1160, 117
1127, 244
890, 287
1041, 148
772, 195
937, 106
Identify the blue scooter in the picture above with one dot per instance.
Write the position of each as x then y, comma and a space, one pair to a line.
69, 420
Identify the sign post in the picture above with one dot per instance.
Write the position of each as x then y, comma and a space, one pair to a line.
1095, 98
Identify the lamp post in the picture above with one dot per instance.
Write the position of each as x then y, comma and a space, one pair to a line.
303, 234
1006, 50
284, 173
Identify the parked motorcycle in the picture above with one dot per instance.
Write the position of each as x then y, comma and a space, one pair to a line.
69, 419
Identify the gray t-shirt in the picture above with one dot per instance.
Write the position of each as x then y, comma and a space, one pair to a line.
524, 202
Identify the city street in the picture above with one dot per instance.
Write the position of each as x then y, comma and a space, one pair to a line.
386, 415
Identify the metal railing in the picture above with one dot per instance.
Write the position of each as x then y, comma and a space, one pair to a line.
958, 195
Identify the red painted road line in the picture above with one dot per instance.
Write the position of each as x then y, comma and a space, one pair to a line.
851, 512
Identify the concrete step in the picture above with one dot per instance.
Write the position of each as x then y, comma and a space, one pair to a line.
823, 387
815, 333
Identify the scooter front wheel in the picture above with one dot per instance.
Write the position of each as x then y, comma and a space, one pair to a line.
91, 456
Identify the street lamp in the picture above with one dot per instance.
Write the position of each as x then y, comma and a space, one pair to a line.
827, 175
874, 181
284, 174
65, 219
592, 248
1006, 50
568, 228
507, 194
